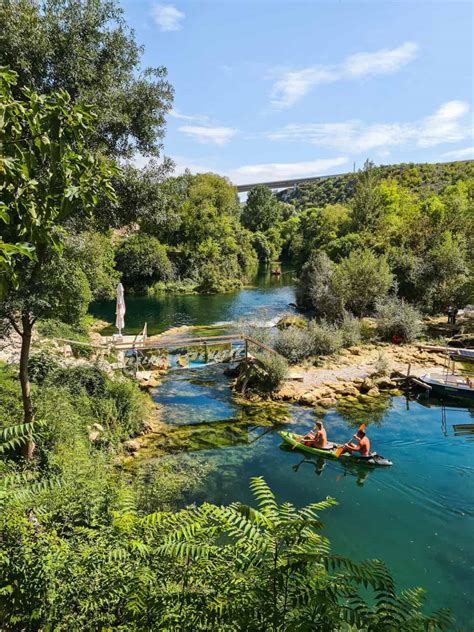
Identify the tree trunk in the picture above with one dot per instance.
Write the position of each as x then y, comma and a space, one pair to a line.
28, 413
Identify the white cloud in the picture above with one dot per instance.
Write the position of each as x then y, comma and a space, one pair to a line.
267, 172
188, 117
460, 154
381, 62
446, 125
215, 135
167, 17
248, 174
293, 85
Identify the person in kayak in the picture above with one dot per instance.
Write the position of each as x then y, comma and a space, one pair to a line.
362, 446
318, 437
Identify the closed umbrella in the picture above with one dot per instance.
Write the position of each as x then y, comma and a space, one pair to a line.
120, 309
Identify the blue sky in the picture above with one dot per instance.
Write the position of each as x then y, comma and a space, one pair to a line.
267, 89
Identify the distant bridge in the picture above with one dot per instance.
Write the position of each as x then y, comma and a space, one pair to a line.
285, 184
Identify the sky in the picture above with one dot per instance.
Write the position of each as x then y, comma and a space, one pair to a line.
273, 89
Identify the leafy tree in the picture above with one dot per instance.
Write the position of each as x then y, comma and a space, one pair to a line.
315, 290
445, 276
142, 260
366, 202
360, 279
48, 174
262, 210
207, 242
95, 255
317, 228
86, 49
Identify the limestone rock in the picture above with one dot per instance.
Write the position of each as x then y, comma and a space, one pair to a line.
384, 383
327, 402
132, 445
372, 392
366, 385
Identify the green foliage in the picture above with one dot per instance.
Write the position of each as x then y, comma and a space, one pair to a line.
395, 317
360, 279
262, 210
94, 253
315, 289
142, 261
326, 338
270, 376
207, 567
87, 50
366, 202
318, 338
423, 179
48, 172
60, 292
351, 330
294, 343
318, 227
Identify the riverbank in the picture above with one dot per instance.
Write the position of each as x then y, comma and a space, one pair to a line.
357, 373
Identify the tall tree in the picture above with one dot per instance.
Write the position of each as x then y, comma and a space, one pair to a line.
366, 203
262, 209
47, 175
85, 48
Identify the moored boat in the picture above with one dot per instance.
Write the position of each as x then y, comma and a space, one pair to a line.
463, 355
295, 441
449, 384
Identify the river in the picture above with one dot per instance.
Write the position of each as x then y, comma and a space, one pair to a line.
417, 516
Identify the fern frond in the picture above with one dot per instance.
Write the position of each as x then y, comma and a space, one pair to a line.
264, 496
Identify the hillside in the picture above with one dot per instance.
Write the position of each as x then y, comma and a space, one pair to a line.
417, 177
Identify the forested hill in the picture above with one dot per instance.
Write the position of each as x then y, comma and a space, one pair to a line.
417, 177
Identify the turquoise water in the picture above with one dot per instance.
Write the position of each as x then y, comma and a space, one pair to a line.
268, 293
418, 516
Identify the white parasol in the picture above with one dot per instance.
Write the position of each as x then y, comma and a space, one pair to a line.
120, 309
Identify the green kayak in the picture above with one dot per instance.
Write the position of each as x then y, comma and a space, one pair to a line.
295, 440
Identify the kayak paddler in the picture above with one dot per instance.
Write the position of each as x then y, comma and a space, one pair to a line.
362, 446
318, 437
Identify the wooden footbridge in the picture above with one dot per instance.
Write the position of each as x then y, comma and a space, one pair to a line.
141, 342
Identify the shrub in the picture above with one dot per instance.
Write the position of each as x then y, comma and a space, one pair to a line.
325, 338
360, 280
41, 366
314, 289
382, 365
395, 317
128, 405
276, 370
142, 261
351, 331
294, 343
79, 379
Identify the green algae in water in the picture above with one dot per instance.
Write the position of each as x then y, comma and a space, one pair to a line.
417, 516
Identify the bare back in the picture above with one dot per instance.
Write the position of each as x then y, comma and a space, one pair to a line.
321, 438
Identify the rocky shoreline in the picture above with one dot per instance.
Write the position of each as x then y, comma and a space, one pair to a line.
357, 374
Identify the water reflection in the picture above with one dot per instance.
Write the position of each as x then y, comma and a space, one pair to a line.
361, 473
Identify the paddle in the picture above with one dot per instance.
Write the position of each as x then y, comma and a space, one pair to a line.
340, 449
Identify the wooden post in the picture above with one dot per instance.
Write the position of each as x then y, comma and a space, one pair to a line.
246, 351
206, 353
